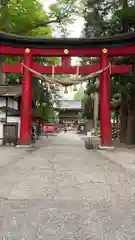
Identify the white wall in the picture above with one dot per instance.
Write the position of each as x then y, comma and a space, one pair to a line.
2, 102
15, 105
2, 115
11, 103
1, 130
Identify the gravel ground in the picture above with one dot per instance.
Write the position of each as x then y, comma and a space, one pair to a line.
60, 191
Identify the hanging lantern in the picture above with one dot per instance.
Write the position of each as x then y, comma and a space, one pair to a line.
74, 88
66, 90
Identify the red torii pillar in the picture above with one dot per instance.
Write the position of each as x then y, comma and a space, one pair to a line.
105, 113
26, 101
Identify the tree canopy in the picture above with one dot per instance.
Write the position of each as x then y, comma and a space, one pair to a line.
28, 17
79, 94
107, 18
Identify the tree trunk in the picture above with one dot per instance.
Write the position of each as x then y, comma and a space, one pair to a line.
123, 120
96, 110
125, 26
129, 122
117, 122
130, 134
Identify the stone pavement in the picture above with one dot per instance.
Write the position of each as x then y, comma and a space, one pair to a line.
123, 157
61, 191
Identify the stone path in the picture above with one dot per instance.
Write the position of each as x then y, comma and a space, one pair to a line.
61, 191
123, 157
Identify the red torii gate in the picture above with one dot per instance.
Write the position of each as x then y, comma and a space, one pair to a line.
28, 47
66, 69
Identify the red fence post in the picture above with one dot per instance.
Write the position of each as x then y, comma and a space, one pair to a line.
26, 102
105, 113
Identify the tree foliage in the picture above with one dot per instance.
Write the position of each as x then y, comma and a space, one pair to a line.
67, 11
107, 18
79, 94
21, 17
27, 17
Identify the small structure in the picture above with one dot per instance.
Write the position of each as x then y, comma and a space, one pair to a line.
10, 97
68, 111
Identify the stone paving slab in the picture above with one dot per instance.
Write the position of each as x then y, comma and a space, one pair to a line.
61, 191
9, 155
124, 158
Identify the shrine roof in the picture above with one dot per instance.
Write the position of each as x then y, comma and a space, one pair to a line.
69, 105
125, 39
10, 90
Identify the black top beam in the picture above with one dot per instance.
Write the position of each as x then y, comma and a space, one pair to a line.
126, 39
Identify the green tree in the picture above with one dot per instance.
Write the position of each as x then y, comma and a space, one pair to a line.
67, 11
32, 16
29, 18
109, 18
79, 94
